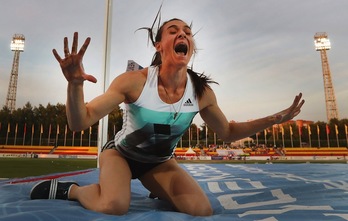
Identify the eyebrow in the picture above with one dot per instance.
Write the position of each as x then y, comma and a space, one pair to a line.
176, 27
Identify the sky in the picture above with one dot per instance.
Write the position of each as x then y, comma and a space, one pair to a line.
261, 52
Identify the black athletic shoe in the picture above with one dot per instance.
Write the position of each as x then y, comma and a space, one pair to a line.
51, 189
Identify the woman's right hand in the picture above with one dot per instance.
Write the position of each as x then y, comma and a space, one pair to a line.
71, 64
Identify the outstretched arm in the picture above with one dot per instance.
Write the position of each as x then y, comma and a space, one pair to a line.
231, 131
80, 116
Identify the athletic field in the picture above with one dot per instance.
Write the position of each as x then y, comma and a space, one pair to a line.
25, 167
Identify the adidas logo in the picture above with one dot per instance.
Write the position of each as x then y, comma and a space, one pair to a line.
188, 102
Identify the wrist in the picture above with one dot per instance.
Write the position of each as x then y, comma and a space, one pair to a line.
76, 82
272, 119
275, 119
74, 88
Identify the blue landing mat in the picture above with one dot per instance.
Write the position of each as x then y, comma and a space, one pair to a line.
262, 192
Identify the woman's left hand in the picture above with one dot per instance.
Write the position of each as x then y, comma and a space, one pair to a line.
290, 112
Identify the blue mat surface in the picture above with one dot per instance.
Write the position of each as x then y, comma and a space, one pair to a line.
267, 192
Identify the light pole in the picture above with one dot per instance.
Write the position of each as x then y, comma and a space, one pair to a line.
17, 45
322, 44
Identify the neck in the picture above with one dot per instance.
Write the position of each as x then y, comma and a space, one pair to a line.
173, 78
171, 85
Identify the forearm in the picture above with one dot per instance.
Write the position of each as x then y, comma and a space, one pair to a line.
241, 130
76, 110
231, 131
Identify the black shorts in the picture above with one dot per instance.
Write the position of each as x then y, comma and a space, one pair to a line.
137, 168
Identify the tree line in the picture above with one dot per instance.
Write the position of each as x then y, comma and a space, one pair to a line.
47, 125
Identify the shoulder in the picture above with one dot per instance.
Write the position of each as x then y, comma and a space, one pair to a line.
138, 74
130, 78
130, 83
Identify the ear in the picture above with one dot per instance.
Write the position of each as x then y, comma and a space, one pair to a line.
158, 46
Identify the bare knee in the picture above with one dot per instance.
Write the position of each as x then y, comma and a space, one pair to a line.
199, 210
204, 211
114, 207
195, 207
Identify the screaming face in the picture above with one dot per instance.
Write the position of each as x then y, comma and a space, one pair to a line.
176, 44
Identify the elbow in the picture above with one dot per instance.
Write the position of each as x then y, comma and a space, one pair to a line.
76, 123
229, 134
74, 126
226, 137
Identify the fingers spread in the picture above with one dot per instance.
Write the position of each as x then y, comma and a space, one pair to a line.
71, 64
56, 55
84, 46
75, 43
296, 101
66, 47
297, 105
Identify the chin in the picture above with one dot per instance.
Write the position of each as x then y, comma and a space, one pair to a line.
182, 61
181, 64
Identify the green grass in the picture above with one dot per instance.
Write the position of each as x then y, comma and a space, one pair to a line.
24, 167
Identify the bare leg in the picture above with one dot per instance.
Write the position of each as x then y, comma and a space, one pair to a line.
169, 181
112, 194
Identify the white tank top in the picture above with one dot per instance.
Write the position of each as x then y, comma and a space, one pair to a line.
149, 132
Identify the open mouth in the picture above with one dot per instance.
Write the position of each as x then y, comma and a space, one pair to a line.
181, 49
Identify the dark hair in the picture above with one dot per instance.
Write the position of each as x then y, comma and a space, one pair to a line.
200, 81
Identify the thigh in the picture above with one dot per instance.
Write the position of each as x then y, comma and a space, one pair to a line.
171, 182
114, 178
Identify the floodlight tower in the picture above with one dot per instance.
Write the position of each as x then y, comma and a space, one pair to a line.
17, 45
322, 43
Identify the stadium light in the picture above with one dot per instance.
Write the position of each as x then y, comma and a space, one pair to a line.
17, 43
321, 41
